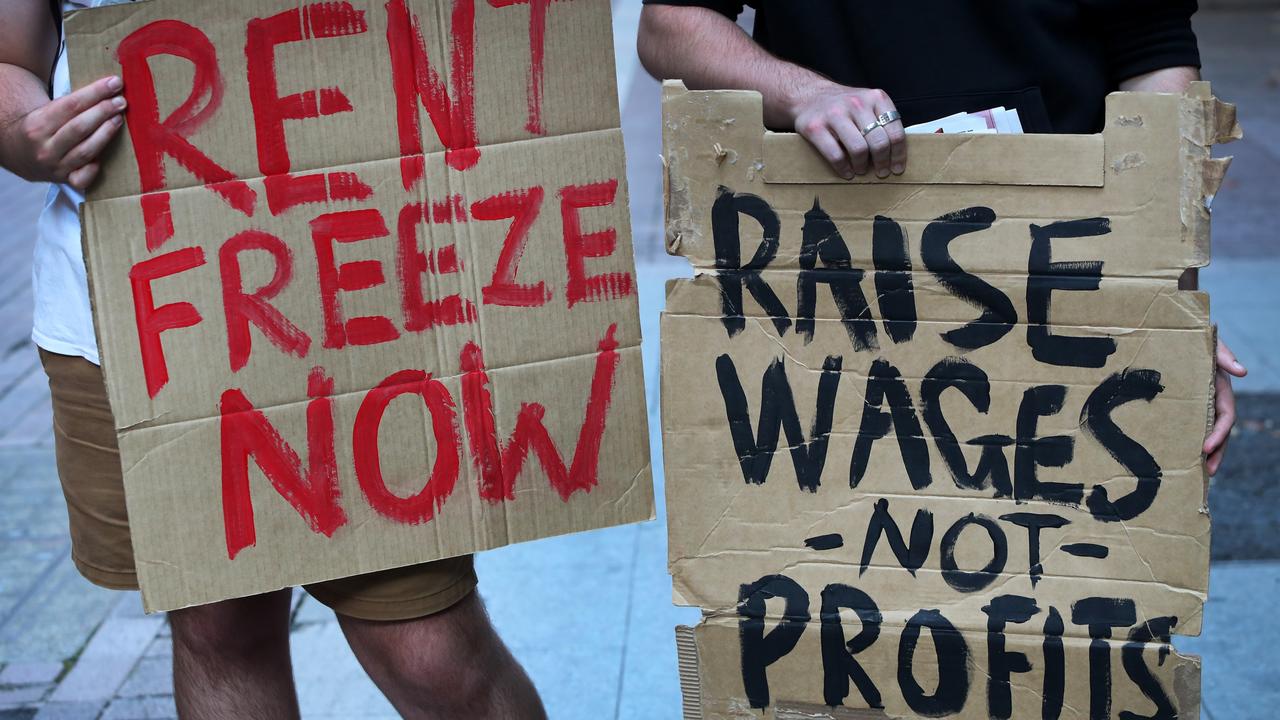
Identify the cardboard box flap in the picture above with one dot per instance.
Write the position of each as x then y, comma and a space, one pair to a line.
715, 142
952, 160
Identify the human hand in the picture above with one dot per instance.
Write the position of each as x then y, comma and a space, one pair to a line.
1215, 445
833, 117
60, 141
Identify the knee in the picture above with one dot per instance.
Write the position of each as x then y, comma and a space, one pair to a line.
444, 662
243, 628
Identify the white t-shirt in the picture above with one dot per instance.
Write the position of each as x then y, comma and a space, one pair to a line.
63, 322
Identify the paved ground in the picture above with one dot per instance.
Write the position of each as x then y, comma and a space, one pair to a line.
69, 650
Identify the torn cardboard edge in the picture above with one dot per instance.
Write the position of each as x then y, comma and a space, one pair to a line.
1204, 121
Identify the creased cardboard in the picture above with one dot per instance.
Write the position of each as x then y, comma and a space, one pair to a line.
363, 284
932, 443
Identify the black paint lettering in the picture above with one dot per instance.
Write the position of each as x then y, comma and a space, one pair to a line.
1089, 550
1055, 667
1101, 614
953, 666
1034, 523
732, 274
825, 542
822, 243
973, 581
1155, 630
1033, 453
910, 557
760, 650
1004, 609
884, 382
1123, 387
838, 663
971, 381
998, 316
778, 411
1044, 276
893, 279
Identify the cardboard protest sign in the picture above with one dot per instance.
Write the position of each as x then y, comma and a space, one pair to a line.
363, 284
932, 443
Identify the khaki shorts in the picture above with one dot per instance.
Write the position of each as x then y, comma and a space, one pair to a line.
89, 467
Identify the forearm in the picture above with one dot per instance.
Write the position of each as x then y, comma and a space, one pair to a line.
1165, 80
708, 51
20, 93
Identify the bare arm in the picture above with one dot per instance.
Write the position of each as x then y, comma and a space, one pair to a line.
1166, 80
45, 140
708, 51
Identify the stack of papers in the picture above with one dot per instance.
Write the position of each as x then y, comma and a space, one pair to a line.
994, 120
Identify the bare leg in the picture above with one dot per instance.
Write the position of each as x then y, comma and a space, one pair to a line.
231, 659
448, 665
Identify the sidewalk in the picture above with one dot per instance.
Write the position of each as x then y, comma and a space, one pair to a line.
70, 650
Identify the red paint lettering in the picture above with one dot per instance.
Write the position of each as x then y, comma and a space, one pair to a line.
157, 218
270, 111
412, 170
368, 461
499, 465
449, 210
521, 207
152, 320
579, 246
421, 314
285, 192
349, 227
416, 80
247, 433
154, 138
243, 308
537, 53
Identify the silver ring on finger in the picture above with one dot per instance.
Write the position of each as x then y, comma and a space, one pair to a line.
870, 127
888, 117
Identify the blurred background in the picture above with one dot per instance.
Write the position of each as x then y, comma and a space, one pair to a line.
71, 650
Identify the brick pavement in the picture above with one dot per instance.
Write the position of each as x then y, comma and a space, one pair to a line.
70, 650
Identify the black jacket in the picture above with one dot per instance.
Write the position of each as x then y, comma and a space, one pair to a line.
1053, 60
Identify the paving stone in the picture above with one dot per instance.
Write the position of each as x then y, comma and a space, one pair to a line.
151, 676
161, 647
1239, 641
17, 713
33, 673
312, 611
147, 708
108, 659
129, 606
70, 711
25, 695
329, 679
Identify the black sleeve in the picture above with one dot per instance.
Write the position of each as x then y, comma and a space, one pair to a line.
1142, 36
728, 8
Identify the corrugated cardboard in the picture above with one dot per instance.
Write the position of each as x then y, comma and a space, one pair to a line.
932, 443
363, 284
